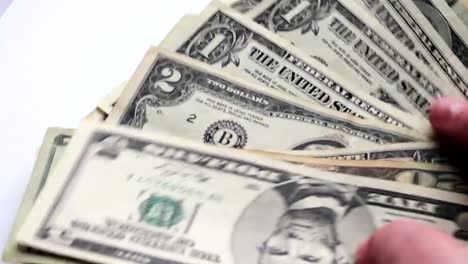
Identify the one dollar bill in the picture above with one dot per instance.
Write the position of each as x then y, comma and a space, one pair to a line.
343, 35
421, 152
460, 7
417, 152
432, 40
175, 94
180, 202
441, 177
223, 39
448, 25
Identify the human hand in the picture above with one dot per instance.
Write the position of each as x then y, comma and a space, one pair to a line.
449, 118
408, 242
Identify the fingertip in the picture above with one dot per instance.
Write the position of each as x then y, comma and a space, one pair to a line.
442, 112
439, 111
381, 245
362, 252
407, 242
449, 116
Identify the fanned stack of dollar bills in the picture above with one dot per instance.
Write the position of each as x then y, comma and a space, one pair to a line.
258, 131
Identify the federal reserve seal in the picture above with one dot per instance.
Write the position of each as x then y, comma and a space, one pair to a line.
226, 133
161, 211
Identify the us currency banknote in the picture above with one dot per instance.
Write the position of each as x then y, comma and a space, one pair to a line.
341, 34
433, 176
180, 202
107, 103
242, 6
441, 177
178, 95
445, 21
244, 49
434, 40
460, 7
414, 152
95, 116
442, 153
51, 151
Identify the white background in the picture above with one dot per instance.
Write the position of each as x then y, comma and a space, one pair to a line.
57, 59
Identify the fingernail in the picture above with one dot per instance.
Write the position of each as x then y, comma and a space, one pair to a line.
445, 110
361, 254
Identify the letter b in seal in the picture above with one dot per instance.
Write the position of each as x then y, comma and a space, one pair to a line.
226, 133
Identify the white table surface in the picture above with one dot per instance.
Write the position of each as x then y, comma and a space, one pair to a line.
57, 59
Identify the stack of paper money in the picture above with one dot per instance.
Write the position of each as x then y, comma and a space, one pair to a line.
258, 131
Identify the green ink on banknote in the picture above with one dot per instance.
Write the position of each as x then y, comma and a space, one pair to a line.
161, 211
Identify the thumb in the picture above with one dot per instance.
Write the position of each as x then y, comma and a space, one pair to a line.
449, 117
406, 242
